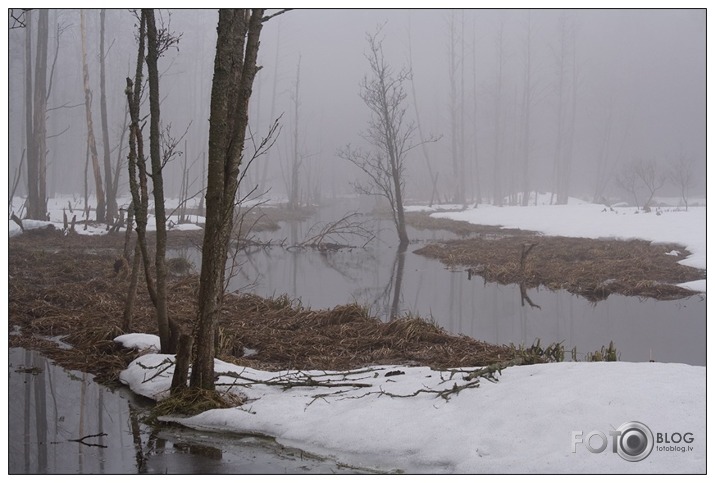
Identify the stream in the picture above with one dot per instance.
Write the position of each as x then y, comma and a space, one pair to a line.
393, 284
61, 422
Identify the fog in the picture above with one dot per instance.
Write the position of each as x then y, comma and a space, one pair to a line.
639, 94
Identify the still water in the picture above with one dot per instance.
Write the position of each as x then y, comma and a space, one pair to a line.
390, 283
50, 408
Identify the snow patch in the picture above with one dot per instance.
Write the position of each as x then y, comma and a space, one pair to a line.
521, 424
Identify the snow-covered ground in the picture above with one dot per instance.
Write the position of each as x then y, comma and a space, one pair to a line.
532, 420
588, 220
71, 206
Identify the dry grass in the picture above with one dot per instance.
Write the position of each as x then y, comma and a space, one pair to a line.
66, 286
591, 268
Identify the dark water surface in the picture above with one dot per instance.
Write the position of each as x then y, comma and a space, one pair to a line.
377, 276
50, 406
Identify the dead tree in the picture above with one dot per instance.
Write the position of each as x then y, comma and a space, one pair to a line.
681, 174
652, 179
389, 133
111, 204
434, 176
36, 115
101, 213
138, 173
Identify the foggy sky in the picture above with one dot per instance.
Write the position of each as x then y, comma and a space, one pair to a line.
643, 68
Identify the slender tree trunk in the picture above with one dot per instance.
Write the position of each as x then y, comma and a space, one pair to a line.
453, 107
157, 180
35, 121
101, 214
274, 94
477, 178
497, 193
40, 107
462, 164
111, 213
296, 157
432, 176
33, 202
136, 163
526, 117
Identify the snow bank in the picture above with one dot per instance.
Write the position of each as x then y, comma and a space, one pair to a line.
524, 423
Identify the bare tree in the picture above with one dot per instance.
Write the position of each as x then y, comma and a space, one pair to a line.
434, 176
157, 164
156, 42
497, 198
111, 205
101, 207
388, 132
627, 180
456, 106
293, 200
567, 77
681, 174
235, 69
651, 177
36, 115
526, 108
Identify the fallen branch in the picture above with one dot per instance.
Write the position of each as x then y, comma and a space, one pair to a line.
335, 235
308, 381
165, 361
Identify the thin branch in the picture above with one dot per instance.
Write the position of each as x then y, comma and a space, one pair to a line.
266, 18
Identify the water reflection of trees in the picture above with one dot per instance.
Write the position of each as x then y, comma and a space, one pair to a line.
389, 297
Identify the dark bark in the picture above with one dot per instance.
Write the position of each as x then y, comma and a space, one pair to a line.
389, 134
152, 59
32, 197
136, 165
183, 362
35, 121
40, 112
234, 71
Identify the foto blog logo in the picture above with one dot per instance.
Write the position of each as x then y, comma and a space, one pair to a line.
633, 441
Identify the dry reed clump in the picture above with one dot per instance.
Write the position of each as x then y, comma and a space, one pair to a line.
71, 290
587, 267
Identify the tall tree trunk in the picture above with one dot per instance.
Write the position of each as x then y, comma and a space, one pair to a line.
101, 214
477, 178
526, 117
234, 71
432, 176
35, 117
32, 171
295, 171
152, 58
136, 165
40, 110
274, 94
453, 107
111, 213
497, 193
